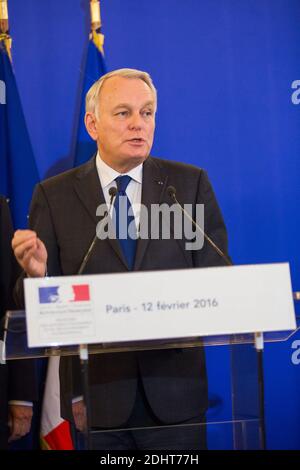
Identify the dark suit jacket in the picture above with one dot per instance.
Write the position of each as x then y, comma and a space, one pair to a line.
63, 212
12, 383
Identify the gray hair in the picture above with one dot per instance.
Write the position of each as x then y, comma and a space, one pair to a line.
92, 96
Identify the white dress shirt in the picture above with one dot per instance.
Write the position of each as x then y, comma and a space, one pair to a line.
107, 176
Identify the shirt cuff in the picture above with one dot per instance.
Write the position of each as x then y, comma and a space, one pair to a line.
77, 399
20, 403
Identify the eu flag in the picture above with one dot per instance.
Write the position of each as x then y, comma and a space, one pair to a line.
18, 170
94, 68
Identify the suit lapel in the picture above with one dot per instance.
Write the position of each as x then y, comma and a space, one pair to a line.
89, 191
88, 188
90, 194
153, 187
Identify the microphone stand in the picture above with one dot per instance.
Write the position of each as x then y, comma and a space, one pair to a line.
258, 337
83, 348
259, 346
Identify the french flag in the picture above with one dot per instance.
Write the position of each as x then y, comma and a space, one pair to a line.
81, 292
64, 293
55, 432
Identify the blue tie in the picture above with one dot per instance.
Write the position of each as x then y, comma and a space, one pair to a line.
124, 221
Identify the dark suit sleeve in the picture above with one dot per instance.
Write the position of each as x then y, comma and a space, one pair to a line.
22, 380
40, 220
214, 226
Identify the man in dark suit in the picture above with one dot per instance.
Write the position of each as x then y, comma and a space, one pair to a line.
128, 390
16, 393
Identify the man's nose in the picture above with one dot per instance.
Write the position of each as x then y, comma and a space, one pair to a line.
136, 121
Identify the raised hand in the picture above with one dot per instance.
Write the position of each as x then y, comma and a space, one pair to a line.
30, 252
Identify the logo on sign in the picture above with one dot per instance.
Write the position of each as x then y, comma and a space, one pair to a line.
64, 294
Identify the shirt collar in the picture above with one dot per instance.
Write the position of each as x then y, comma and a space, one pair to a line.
107, 174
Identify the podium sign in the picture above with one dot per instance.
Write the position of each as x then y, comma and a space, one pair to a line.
151, 305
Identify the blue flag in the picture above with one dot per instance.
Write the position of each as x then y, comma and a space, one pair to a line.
94, 68
18, 170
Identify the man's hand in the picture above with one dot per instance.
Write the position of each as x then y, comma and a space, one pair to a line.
19, 421
30, 252
79, 414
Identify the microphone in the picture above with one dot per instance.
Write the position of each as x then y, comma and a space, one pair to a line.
171, 190
112, 192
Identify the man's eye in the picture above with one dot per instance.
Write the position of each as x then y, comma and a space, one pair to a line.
147, 113
122, 113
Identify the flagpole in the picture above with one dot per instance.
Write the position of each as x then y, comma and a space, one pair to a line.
96, 24
93, 68
4, 27
3, 16
95, 14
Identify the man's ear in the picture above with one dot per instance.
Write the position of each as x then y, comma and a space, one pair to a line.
91, 125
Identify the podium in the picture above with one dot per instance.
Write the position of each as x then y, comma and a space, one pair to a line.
233, 415
233, 419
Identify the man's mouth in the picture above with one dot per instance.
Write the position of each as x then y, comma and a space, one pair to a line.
136, 140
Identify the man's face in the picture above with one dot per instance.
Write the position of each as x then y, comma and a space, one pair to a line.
125, 126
